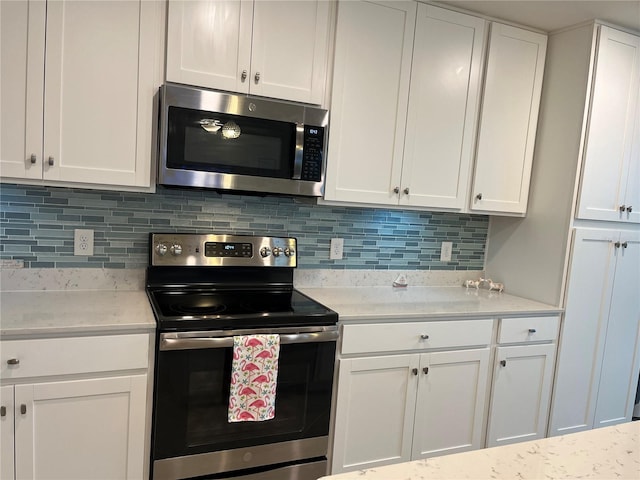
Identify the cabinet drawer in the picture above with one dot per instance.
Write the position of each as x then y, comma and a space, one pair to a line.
528, 329
64, 356
390, 337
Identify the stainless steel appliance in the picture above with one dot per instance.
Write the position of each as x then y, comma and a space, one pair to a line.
204, 290
219, 140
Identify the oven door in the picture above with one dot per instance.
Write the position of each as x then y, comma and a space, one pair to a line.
192, 435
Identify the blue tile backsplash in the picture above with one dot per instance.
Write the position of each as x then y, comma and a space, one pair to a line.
37, 224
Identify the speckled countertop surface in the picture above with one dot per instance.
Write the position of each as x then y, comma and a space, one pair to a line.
360, 303
69, 312
603, 453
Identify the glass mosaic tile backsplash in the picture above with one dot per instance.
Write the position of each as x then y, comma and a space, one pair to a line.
37, 226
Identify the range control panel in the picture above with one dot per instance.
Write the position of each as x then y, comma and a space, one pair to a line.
187, 249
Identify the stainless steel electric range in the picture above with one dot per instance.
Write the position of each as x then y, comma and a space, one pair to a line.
205, 290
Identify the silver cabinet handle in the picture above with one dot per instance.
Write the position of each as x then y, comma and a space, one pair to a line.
396, 190
479, 196
414, 371
630, 208
13, 361
623, 208
406, 191
51, 161
257, 77
532, 330
424, 337
503, 363
243, 76
3, 411
33, 158
23, 409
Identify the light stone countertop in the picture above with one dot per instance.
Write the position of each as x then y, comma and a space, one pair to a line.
31, 313
603, 453
373, 303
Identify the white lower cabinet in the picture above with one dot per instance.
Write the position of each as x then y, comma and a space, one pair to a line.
522, 379
395, 408
74, 427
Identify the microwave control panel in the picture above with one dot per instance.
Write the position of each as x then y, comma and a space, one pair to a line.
312, 152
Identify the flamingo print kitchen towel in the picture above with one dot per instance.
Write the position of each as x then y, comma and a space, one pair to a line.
254, 372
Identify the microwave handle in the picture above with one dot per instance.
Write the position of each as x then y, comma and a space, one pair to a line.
191, 343
297, 160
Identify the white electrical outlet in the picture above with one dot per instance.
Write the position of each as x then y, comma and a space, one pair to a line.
83, 242
337, 245
445, 251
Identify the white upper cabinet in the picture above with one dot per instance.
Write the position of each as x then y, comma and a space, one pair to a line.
404, 121
78, 81
274, 49
443, 107
369, 101
610, 184
507, 131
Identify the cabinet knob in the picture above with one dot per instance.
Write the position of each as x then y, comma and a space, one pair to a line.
33, 158
630, 208
257, 77
414, 371
623, 208
3, 411
424, 337
617, 244
13, 361
479, 196
23, 409
396, 190
243, 76
624, 244
406, 191
503, 363
51, 161
532, 330
425, 370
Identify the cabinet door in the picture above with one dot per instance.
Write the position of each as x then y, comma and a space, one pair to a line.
22, 27
509, 118
521, 393
443, 108
289, 49
613, 124
83, 429
374, 411
581, 344
369, 100
450, 382
620, 361
100, 63
7, 470
209, 43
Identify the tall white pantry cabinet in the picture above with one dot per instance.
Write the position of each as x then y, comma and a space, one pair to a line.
579, 246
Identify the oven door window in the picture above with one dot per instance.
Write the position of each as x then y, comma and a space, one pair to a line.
192, 398
230, 144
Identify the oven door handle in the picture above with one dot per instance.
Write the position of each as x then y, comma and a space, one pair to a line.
170, 342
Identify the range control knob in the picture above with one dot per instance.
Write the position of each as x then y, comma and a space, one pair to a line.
162, 249
176, 249
265, 252
289, 252
277, 251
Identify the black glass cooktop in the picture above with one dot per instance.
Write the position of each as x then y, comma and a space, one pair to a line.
226, 309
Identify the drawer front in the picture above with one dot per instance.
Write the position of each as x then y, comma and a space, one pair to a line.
528, 329
391, 337
64, 356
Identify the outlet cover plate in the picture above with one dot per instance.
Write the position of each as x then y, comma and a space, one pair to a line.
337, 246
445, 251
83, 242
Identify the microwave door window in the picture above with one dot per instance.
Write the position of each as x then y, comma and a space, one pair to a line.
213, 142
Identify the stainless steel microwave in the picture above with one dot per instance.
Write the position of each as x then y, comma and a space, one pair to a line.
212, 139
